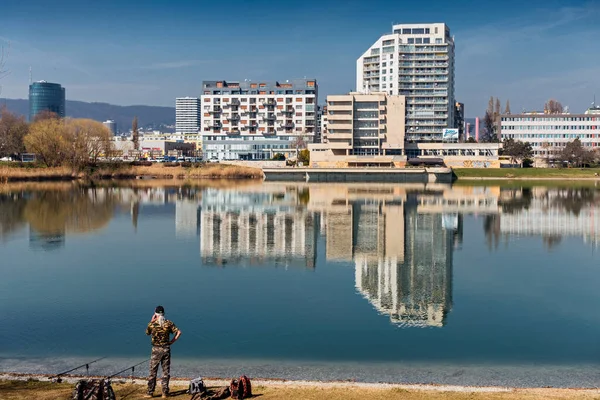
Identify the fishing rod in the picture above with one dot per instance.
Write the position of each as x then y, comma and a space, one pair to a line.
86, 365
132, 368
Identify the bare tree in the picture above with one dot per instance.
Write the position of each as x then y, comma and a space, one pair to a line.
497, 107
135, 135
490, 108
553, 107
12, 131
507, 108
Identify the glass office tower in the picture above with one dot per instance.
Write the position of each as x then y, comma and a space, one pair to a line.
45, 96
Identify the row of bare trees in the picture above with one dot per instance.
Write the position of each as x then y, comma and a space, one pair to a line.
55, 141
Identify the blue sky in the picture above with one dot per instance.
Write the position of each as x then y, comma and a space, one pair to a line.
134, 52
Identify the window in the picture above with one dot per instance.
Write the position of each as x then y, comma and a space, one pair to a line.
436, 30
438, 41
418, 31
388, 50
388, 42
426, 40
406, 31
384, 71
383, 64
374, 52
419, 40
411, 40
427, 31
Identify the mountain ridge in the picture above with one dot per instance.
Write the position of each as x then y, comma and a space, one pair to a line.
149, 117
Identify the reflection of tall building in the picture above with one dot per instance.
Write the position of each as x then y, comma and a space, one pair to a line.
402, 254
412, 286
187, 219
256, 228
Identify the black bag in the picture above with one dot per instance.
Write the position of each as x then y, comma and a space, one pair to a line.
197, 386
93, 389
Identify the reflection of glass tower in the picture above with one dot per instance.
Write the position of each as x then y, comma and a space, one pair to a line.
46, 241
254, 228
403, 262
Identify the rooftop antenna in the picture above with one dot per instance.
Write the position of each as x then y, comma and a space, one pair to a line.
30, 80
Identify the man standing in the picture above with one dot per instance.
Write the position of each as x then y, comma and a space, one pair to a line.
161, 330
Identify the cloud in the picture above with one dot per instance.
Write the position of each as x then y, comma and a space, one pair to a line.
490, 39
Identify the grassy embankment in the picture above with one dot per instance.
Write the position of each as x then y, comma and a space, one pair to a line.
526, 173
15, 173
21, 390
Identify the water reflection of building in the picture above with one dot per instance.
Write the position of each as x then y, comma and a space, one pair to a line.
187, 219
46, 241
256, 227
402, 254
552, 214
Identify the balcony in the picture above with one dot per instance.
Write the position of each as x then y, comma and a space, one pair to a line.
234, 117
215, 125
269, 102
287, 125
269, 132
235, 102
288, 112
270, 118
234, 132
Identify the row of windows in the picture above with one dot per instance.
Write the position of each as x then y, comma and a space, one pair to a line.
549, 127
415, 31
220, 92
552, 136
245, 138
553, 119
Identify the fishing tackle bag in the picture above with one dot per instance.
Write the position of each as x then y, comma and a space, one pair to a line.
93, 389
197, 386
241, 388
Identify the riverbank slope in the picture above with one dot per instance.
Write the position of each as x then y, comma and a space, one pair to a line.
127, 171
39, 388
526, 173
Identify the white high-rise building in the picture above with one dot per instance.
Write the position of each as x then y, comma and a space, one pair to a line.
416, 61
187, 115
256, 120
111, 125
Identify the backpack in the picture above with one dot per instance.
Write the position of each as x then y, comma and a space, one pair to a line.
93, 389
218, 394
197, 386
241, 388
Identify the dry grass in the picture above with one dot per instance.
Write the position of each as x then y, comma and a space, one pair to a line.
33, 174
207, 171
21, 390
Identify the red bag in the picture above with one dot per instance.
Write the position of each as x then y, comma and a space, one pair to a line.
241, 388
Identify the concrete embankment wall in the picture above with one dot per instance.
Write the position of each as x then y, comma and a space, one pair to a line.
409, 175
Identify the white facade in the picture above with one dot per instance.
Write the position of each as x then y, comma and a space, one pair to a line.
111, 125
417, 61
255, 120
549, 133
187, 115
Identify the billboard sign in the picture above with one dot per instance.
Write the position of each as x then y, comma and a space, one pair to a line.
450, 134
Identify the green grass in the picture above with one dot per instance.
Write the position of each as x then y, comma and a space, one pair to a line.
529, 173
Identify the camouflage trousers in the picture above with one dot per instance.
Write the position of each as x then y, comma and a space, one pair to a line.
162, 356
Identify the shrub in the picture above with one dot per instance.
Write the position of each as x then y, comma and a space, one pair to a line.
278, 157
140, 164
171, 164
185, 164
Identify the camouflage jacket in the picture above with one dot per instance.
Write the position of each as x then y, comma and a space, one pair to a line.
161, 334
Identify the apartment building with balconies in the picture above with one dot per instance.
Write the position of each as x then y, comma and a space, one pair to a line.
362, 129
255, 120
187, 115
416, 61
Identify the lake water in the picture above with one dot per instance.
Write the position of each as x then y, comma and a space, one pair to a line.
495, 285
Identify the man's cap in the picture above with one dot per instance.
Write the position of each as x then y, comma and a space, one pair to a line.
159, 310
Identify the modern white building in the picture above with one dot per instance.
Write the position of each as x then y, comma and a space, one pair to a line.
187, 115
549, 133
111, 125
255, 120
416, 61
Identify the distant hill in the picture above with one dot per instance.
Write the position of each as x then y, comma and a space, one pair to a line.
151, 117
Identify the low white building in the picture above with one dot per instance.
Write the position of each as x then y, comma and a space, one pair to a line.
549, 133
